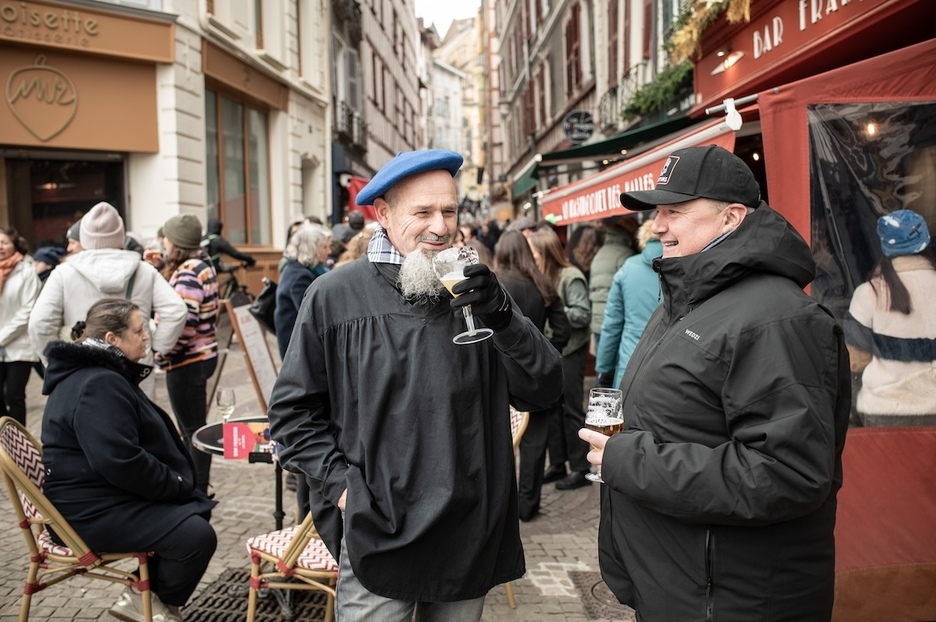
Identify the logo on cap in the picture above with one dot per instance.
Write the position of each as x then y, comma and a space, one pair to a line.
667, 171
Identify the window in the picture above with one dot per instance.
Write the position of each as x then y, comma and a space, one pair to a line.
237, 150
352, 73
573, 50
541, 94
613, 42
647, 28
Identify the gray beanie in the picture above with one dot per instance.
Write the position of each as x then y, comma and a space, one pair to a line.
184, 231
74, 232
102, 227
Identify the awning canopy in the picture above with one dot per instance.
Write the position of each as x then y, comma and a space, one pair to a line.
613, 146
354, 188
526, 181
599, 196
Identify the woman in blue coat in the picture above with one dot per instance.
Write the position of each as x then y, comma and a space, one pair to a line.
305, 255
115, 465
634, 296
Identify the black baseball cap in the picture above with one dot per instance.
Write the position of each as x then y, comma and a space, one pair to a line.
711, 172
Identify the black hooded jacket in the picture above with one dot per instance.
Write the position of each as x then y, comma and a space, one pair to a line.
216, 246
720, 496
115, 466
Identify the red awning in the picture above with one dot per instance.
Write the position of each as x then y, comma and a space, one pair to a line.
354, 188
905, 75
599, 196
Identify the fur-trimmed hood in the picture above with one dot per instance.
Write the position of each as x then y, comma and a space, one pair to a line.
66, 358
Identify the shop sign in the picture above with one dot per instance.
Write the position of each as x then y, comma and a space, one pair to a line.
86, 29
772, 40
578, 125
42, 98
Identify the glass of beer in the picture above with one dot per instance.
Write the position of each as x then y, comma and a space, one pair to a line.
449, 267
604, 416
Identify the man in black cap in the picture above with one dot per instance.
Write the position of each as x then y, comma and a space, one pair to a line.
402, 434
720, 493
353, 224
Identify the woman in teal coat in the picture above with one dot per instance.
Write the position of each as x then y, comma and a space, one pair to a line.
634, 296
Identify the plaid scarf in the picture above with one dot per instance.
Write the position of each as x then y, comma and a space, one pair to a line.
380, 250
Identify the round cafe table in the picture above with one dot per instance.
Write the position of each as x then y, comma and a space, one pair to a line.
210, 439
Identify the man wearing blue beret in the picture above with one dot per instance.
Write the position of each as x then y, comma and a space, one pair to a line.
403, 435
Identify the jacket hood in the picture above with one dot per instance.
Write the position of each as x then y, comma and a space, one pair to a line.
651, 250
108, 269
213, 227
764, 243
67, 358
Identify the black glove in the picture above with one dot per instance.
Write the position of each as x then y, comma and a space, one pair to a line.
604, 380
487, 298
251, 262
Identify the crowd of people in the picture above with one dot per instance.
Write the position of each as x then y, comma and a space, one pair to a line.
736, 389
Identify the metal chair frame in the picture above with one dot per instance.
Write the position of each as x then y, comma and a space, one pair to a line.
49, 562
287, 570
518, 425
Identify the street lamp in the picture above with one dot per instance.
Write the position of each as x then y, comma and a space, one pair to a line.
504, 107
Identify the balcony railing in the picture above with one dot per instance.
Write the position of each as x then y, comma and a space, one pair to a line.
350, 127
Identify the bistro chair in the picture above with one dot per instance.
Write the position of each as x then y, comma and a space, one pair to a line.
518, 425
51, 563
294, 558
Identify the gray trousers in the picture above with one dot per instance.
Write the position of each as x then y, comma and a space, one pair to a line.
354, 603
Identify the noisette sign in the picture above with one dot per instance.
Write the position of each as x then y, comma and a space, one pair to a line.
578, 126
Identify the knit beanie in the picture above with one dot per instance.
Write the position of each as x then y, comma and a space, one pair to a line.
74, 232
102, 227
902, 232
51, 255
184, 231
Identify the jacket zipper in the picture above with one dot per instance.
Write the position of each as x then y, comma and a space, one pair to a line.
709, 576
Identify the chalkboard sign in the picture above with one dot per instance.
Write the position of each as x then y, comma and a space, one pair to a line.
259, 358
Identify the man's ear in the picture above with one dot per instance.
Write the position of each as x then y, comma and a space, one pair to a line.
734, 215
382, 209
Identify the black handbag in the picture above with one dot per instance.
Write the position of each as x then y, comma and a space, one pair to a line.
263, 306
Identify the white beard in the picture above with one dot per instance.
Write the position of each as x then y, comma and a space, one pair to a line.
417, 278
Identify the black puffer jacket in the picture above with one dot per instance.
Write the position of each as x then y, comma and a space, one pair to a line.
720, 503
115, 465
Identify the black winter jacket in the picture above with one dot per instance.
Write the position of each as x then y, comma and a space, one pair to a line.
374, 397
720, 503
115, 466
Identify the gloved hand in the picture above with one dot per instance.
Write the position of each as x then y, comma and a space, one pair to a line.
251, 262
487, 298
604, 380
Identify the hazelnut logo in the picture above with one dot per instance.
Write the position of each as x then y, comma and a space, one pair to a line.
42, 98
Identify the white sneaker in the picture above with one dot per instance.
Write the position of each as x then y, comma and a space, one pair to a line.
129, 608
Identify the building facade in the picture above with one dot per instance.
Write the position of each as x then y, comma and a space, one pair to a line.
217, 109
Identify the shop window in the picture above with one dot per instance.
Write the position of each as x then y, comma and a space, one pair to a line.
866, 160
237, 150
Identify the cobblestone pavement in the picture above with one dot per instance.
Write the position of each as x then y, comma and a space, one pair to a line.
560, 544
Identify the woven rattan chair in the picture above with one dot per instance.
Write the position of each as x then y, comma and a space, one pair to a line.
292, 559
518, 425
51, 563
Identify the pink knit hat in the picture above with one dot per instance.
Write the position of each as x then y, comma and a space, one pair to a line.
102, 227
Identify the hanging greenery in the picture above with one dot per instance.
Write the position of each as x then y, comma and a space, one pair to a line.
660, 93
686, 40
683, 45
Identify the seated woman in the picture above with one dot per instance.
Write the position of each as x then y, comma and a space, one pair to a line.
116, 467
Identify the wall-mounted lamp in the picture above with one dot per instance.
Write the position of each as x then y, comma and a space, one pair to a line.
732, 116
730, 58
503, 106
725, 51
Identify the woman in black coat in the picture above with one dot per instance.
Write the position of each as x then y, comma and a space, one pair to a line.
536, 297
115, 465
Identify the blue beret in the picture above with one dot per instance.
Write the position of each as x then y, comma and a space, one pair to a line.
406, 164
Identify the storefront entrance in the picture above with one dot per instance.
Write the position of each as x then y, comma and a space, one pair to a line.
45, 196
